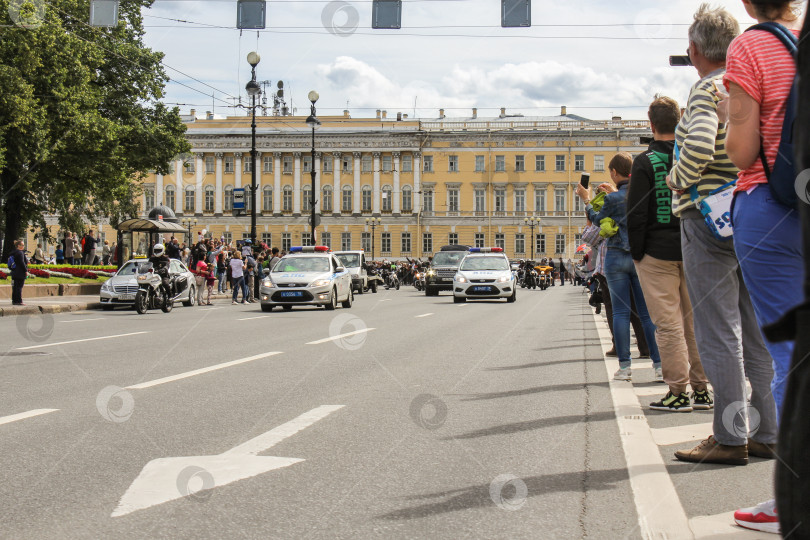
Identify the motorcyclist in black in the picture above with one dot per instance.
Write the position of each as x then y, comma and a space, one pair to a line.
160, 263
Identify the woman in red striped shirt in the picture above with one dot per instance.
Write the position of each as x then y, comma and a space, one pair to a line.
767, 236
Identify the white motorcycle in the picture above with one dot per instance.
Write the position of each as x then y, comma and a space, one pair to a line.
151, 292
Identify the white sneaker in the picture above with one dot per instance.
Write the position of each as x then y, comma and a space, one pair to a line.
762, 517
623, 374
659, 375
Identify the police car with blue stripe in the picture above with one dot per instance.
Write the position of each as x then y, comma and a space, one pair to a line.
484, 273
307, 276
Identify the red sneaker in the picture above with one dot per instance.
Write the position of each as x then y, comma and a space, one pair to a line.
762, 517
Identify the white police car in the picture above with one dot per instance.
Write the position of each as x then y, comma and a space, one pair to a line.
308, 276
484, 273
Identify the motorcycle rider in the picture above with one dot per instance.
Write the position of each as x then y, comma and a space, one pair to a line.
160, 264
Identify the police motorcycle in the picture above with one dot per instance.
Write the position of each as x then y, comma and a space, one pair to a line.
391, 279
156, 288
419, 279
530, 276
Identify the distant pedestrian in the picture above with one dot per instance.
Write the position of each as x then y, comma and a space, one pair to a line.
38, 257
89, 248
105, 253
60, 255
238, 274
70, 248
19, 271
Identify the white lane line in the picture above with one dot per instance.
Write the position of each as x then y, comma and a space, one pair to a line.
649, 479
423, 315
200, 371
84, 320
681, 434
251, 318
210, 309
23, 415
720, 526
386, 300
341, 336
79, 341
463, 305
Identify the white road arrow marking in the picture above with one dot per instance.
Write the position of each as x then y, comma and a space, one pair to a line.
160, 480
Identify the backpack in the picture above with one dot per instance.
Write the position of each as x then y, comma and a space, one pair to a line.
782, 178
11, 263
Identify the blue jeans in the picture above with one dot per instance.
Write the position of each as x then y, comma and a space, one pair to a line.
767, 239
623, 282
222, 276
239, 284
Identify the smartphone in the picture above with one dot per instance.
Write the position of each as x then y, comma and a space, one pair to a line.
681, 60
584, 180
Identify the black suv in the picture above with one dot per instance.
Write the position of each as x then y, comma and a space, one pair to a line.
443, 268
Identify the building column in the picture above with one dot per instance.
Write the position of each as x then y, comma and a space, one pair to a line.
218, 190
318, 194
375, 197
397, 191
159, 195
297, 184
180, 193
237, 170
276, 183
356, 206
337, 196
198, 191
259, 192
417, 171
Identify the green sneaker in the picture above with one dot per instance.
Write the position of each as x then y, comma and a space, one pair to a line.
702, 400
671, 402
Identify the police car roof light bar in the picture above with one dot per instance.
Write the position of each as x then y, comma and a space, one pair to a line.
486, 250
309, 249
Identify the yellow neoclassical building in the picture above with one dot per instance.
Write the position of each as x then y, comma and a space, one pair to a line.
462, 180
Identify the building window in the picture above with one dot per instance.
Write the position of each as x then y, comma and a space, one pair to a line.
347, 163
540, 243
189, 165
559, 163
267, 164
578, 205
479, 239
599, 163
228, 164
427, 201
579, 162
209, 199
267, 239
171, 167
365, 241
500, 163
559, 244
540, 200
189, 206
480, 200
170, 197
427, 243
452, 239
520, 163
428, 166
306, 164
209, 164
520, 243
500, 200
327, 164
387, 198
306, 198
248, 164
520, 200
365, 199
500, 240
407, 163
407, 199
228, 237
287, 199
326, 239
306, 238
577, 240
387, 165
540, 163
248, 200
385, 242
149, 198
326, 200
267, 199
452, 164
287, 164
228, 198
286, 241
559, 199
479, 164
347, 199
365, 164
452, 200
405, 244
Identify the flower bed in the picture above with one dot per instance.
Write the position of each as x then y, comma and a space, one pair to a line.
3, 275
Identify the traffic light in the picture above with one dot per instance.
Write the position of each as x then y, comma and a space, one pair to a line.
386, 14
250, 14
516, 13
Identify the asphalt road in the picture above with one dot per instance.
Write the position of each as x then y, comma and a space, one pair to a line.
428, 420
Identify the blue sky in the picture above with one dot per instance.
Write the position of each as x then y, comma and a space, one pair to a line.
600, 58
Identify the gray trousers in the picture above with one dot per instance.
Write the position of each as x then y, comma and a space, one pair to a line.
728, 337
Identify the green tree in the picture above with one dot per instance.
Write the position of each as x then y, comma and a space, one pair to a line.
80, 118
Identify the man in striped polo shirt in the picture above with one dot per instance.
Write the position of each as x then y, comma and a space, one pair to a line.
728, 337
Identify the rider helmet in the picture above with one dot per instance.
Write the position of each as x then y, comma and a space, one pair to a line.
158, 250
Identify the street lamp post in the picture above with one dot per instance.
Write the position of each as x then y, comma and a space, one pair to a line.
313, 122
531, 222
373, 222
254, 90
188, 222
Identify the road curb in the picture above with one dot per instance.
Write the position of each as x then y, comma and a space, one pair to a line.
12, 311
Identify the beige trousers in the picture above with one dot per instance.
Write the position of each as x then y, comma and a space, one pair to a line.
667, 298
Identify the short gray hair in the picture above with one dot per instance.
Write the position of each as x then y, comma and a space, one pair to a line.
713, 31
